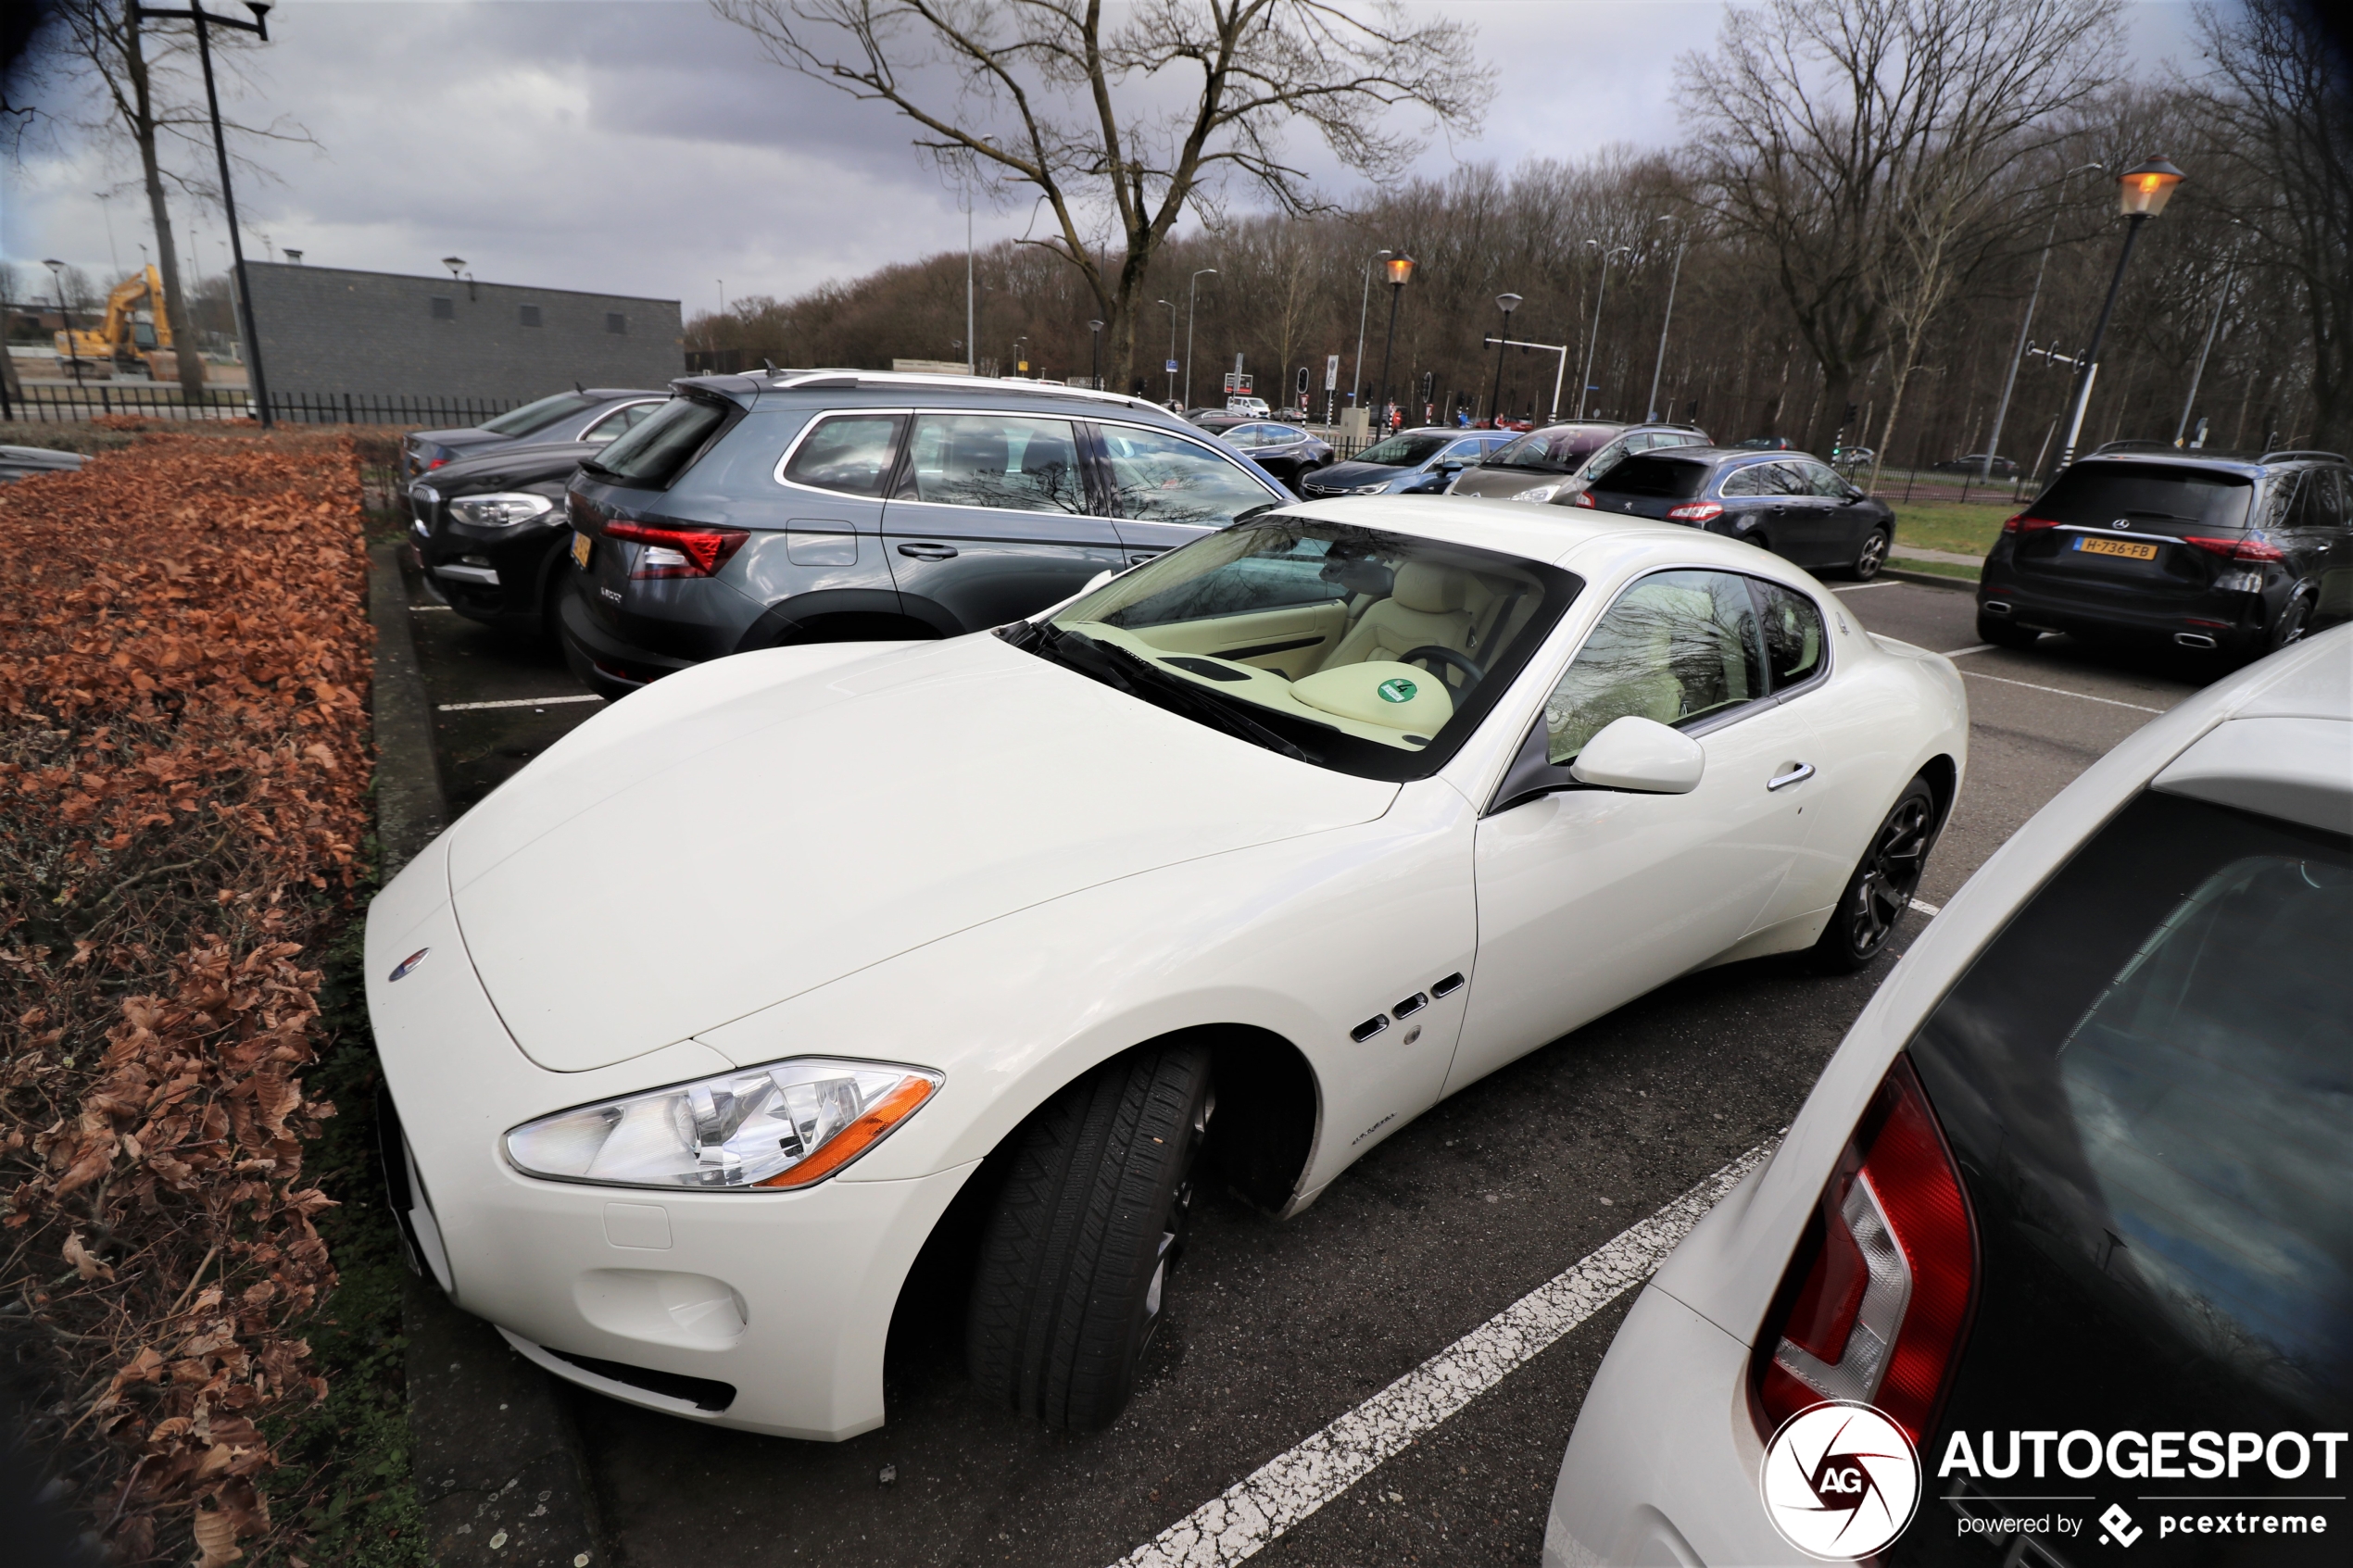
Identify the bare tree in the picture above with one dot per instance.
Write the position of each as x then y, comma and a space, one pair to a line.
1051, 95
1852, 140
2279, 104
147, 92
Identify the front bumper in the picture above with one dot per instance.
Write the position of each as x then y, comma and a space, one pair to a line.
783, 1299
1663, 1466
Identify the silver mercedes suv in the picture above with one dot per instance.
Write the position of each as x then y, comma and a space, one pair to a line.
836, 505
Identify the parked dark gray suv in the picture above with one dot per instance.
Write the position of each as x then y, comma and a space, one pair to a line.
833, 506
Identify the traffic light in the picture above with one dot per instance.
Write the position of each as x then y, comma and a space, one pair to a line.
1302, 380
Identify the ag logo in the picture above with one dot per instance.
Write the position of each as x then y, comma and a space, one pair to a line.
1841, 1481
1397, 690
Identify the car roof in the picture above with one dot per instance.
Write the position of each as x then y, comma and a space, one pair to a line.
1722, 455
2253, 465
903, 384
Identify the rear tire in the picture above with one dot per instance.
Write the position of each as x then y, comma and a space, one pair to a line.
1072, 1281
2006, 634
2295, 620
1881, 886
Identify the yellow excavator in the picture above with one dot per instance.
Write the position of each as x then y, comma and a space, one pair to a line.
135, 336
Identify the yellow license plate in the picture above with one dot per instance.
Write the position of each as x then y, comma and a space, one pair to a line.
2130, 549
581, 544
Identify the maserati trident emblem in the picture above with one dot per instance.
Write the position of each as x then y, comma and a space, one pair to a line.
401, 971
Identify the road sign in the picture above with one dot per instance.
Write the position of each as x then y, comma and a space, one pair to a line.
1236, 381
1331, 373
1172, 367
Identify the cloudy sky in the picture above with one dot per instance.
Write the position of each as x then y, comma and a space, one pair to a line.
646, 146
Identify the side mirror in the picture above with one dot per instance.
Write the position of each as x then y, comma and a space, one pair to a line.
1641, 754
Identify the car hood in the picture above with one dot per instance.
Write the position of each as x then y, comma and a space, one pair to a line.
1493, 482
518, 464
1339, 475
761, 824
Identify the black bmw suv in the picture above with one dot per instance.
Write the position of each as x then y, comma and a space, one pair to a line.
2241, 553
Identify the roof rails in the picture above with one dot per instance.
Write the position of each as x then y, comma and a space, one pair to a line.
789, 379
2300, 452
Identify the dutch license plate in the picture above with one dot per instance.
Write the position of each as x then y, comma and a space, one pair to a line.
2130, 549
581, 544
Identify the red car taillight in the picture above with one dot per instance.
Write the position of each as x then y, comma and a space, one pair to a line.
1584, 498
2254, 546
1876, 1302
2022, 523
1698, 511
678, 552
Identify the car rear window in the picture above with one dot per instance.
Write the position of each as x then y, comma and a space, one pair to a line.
533, 417
1659, 477
2095, 494
2145, 1081
1556, 450
657, 450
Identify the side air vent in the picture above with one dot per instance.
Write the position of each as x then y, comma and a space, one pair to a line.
1449, 986
1369, 1028
1411, 1005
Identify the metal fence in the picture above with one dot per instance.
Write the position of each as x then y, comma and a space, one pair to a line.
67, 405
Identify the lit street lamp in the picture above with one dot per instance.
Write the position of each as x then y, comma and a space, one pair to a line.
1506, 303
1363, 299
1192, 309
260, 28
2142, 192
1585, 381
1401, 270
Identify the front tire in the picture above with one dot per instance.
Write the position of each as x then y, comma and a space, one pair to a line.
1873, 555
1881, 886
1072, 1281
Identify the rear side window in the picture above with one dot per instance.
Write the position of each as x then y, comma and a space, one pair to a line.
2095, 494
1792, 634
851, 453
659, 450
2146, 1084
1661, 478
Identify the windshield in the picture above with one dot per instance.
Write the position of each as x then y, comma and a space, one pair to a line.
1370, 653
1551, 451
2098, 493
1410, 450
533, 417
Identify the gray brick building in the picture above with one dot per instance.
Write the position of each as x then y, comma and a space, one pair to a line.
331, 330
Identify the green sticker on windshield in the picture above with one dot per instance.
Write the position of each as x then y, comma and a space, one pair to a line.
1398, 690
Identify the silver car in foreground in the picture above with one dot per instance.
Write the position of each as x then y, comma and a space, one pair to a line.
2067, 1216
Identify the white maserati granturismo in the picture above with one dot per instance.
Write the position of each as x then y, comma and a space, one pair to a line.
1239, 861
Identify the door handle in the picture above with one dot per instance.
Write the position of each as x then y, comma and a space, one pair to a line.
1798, 773
929, 552
1137, 558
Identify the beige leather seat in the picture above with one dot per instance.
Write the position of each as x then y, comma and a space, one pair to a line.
1425, 606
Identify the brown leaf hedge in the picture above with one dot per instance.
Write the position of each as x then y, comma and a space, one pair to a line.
184, 657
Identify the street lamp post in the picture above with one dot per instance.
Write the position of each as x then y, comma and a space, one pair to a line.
1365, 298
260, 28
1172, 346
1192, 309
1585, 379
1401, 270
1682, 239
2002, 409
1096, 328
2222, 301
1506, 303
2142, 192
58, 281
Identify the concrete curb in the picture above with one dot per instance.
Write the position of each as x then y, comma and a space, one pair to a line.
1929, 579
497, 1461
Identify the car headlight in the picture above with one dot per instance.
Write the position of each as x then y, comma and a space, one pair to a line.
788, 1124
1541, 492
1372, 489
424, 493
504, 509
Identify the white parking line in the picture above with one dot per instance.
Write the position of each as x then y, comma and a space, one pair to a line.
1290, 1487
517, 702
2061, 691
1975, 647
1932, 910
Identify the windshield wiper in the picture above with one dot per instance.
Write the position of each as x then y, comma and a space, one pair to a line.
1115, 667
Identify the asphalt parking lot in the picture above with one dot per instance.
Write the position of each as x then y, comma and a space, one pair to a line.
1275, 1330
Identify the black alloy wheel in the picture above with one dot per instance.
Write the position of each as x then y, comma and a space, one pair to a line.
1873, 555
2006, 634
1072, 1278
1881, 887
2296, 619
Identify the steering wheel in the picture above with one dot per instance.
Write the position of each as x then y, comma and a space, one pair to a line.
1472, 673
